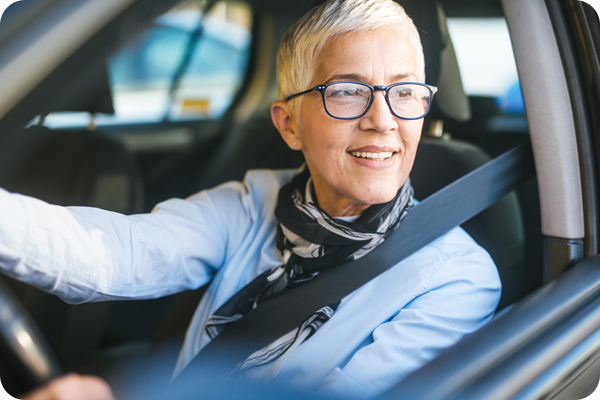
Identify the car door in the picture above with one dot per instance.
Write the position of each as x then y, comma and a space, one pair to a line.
546, 345
559, 105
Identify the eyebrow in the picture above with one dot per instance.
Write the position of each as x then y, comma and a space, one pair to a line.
360, 78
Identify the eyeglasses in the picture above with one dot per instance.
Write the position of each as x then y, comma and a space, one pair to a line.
351, 100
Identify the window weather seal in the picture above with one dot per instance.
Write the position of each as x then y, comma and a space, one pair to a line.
568, 26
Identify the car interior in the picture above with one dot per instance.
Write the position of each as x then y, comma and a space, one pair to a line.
127, 165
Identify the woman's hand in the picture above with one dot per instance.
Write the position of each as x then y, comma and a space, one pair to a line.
73, 387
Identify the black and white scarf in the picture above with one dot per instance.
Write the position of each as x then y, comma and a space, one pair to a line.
310, 241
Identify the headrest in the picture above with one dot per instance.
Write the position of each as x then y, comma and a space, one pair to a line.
441, 65
88, 92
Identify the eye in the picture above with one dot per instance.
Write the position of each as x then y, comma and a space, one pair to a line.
348, 92
402, 92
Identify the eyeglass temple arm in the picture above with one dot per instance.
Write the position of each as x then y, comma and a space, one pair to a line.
318, 87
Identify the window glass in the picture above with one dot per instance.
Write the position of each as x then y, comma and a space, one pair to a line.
187, 65
216, 67
486, 60
141, 74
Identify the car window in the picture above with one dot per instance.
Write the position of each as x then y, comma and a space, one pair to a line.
486, 60
186, 66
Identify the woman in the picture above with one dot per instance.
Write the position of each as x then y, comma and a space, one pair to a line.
352, 99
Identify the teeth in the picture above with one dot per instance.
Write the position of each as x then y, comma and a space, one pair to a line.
373, 156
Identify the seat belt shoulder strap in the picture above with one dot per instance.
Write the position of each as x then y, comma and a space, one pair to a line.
427, 221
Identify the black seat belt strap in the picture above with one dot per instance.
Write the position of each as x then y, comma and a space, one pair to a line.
427, 221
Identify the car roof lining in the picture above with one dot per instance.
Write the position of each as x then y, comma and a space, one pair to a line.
21, 69
33, 68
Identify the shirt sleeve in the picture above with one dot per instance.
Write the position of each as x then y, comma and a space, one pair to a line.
86, 254
460, 297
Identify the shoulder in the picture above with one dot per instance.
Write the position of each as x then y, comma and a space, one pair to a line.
243, 207
256, 182
234, 204
269, 177
457, 256
254, 196
258, 187
457, 282
458, 243
264, 184
464, 262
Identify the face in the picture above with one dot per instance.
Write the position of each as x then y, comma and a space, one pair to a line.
344, 183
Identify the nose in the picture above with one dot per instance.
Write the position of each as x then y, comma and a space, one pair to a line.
379, 117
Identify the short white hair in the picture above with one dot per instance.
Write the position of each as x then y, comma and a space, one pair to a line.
302, 43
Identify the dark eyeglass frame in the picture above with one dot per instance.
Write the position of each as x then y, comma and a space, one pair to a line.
321, 88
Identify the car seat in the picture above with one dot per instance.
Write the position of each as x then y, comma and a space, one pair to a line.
80, 167
254, 143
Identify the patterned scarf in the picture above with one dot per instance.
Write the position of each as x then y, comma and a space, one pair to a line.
310, 241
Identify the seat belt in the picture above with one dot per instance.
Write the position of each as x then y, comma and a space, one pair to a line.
424, 223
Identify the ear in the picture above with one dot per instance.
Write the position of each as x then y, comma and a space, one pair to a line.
285, 122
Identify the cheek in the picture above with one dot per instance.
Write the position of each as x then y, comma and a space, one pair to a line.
412, 134
410, 138
316, 122
335, 141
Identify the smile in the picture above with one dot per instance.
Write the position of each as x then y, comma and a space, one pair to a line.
372, 156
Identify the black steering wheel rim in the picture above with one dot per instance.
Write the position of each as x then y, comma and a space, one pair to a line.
26, 359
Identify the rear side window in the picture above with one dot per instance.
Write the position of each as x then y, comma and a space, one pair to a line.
486, 60
187, 66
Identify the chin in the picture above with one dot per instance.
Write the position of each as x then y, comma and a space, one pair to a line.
378, 196
379, 189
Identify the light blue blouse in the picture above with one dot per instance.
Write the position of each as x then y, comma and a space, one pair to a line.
379, 334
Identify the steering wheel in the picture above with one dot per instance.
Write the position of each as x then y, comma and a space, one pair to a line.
26, 359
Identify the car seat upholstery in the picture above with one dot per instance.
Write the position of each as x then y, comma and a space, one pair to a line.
69, 168
74, 167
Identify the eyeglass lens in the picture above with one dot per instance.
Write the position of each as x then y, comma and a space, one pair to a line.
349, 100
